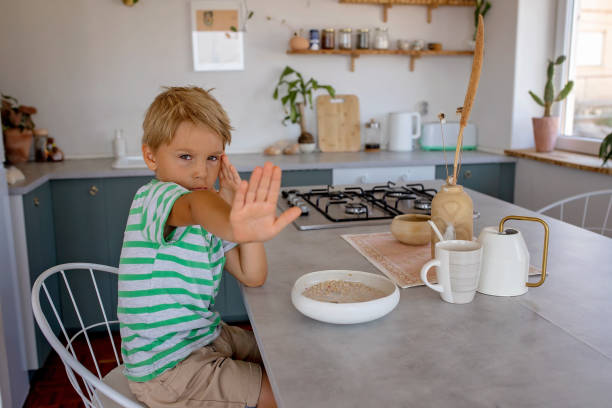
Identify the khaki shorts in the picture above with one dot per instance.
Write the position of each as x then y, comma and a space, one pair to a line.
223, 374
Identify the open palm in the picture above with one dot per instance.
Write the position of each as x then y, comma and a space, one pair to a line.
253, 215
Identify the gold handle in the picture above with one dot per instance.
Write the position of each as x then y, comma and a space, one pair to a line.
36, 201
93, 190
467, 174
545, 252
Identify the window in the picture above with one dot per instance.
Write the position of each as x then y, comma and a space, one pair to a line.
585, 28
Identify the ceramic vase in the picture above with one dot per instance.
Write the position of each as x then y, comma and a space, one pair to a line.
452, 206
298, 43
545, 132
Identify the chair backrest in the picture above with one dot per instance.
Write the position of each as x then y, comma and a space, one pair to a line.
55, 281
603, 210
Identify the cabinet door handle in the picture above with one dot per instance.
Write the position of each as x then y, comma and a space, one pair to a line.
36, 201
467, 174
93, 190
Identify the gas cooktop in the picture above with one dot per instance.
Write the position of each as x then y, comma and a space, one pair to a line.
342, 206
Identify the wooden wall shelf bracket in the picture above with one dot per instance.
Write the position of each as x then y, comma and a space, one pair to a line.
412, 58
353, 57
386, 8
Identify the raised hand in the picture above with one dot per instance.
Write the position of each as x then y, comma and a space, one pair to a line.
253, 215
229, 180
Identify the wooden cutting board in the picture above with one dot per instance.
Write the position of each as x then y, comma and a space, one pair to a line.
338, 123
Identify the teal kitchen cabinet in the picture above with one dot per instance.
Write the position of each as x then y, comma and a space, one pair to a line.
292, 178
90, 217
40, 240
494, 179
81, 235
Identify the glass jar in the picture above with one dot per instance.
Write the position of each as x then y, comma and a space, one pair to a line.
344, 39
373, 136
381, 39
314, 40
328, 42
363, 39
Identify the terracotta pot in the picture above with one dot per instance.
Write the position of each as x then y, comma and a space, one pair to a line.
297, 43
17, 144
545, 132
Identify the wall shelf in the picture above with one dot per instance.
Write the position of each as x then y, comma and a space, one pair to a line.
354, 54
430, 4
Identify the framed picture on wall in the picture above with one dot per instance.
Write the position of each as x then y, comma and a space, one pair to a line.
217, 35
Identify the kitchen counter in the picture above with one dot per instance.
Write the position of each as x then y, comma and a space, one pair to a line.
548, 348
38, 173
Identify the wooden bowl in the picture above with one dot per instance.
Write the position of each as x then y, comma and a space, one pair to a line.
411, 229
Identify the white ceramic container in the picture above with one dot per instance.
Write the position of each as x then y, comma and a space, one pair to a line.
345, 313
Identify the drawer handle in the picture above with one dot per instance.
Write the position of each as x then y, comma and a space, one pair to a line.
467, 174
93, 191
36, 201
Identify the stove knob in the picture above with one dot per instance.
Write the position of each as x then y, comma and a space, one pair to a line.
304, 208
284, 193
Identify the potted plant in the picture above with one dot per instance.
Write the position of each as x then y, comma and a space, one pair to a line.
297, 96
17, 129
546, 129
605, 149
481, 8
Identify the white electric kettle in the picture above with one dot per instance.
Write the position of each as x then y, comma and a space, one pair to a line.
505, 259
404, 128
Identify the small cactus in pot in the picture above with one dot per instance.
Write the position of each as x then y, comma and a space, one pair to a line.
546, 128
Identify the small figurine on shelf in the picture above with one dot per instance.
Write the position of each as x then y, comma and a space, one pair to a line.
55, 154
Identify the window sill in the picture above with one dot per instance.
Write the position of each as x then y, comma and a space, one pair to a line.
566, 159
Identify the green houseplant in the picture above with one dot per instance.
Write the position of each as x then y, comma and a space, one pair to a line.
17, 129
480, 9
605, 149
298, 95
546, 129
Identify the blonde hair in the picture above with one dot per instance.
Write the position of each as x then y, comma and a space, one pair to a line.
178, 104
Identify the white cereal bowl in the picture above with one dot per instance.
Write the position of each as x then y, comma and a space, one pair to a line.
345, 313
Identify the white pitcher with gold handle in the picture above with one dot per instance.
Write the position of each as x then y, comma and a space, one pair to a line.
505, 259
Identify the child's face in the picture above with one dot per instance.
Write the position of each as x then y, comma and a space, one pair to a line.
192, 159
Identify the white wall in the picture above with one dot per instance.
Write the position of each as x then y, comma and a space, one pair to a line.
91, 66
535, 46
494, 104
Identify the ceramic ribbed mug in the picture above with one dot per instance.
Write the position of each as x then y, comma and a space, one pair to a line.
458, 269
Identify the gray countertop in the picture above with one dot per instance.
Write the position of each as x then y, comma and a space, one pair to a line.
38, 173
551, 347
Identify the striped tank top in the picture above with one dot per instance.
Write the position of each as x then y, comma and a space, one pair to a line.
167, 285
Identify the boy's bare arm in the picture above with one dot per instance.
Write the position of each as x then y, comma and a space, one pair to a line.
204, 208
252, 216
248, 263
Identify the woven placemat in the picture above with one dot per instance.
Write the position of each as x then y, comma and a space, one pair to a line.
399, 262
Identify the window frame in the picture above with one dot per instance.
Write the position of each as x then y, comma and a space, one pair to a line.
565, 44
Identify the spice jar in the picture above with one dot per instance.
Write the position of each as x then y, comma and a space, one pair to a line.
372, 136
40, 145
328, 42
381, 39
363, 39
344, 39
314, 40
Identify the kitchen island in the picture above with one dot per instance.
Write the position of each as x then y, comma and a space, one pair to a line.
551, 347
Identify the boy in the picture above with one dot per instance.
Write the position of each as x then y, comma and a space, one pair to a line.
180, 235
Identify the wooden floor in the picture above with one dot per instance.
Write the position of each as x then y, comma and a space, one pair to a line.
50, 388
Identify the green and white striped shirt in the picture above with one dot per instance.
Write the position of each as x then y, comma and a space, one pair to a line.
167, 285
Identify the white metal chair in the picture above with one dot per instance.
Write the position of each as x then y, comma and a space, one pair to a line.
95, 390
593, 218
